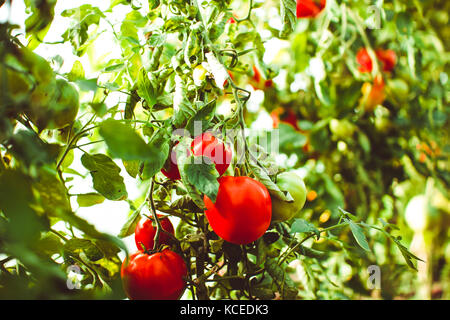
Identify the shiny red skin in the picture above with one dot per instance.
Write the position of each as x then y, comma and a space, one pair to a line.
206, 145
284, 116
209, 146
158, 276
242, 211
146, 229
258, 82
310, 8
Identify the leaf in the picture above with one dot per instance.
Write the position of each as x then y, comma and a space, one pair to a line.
201, 173
202, 119
287, 286
123, 141
91, 251
407, 255
105, 175
359, 235
145, 88
160, 142
77, 72
288, 17
89, 199
130, 225
182, 107
132, 167
51, 192
183, 158
273, 189
303, 226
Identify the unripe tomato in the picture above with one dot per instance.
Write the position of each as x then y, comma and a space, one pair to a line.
205, 145
342, 128
310, 8
145, 231
242, 211
293, 183
158, 276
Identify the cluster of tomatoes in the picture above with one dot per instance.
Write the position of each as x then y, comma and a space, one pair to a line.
242, 212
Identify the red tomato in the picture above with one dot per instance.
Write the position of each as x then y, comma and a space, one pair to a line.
388, 58
158, 276
170, 169
242, 211
209, 146
258, 82
363, 58
146, 229
287, 116
310, 8
205, 145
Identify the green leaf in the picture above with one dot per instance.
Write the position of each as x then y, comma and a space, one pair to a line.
359, 235
146, 89
303, 226
274, 190
51, 192
89, 199
286, 285
132, 167
182, 107
77, 72
123, 141
160, 142
288, 17
202, 119
75, 246
130, 225
201, 173
105, 175
183, 159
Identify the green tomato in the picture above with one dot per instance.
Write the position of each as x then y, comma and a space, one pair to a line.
293, 183
65, 110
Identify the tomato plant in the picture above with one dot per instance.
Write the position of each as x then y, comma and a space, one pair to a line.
249, 149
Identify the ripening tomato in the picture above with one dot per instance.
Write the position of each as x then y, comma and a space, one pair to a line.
287, 116
242, 211
373, 93
206, 145
293, 183
310, 8
145, 231
258, 82
158, 276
